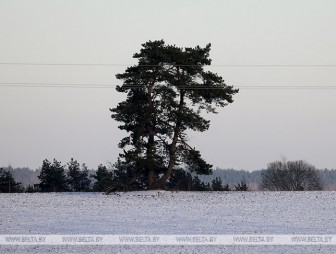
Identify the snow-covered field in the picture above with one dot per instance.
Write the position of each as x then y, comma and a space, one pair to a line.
168, 213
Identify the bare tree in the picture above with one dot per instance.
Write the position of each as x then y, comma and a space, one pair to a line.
290, 176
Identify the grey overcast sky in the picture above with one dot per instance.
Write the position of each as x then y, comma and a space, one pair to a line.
262, 125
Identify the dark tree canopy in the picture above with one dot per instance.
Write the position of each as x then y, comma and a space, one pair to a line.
166, 92
242, 186
217, 184
53, 177
7, 182
103, 179
77, 178
180, 180
290, 176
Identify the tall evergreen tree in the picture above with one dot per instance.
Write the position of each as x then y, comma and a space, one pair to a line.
52, 177
77, 178
104, 179
166, 92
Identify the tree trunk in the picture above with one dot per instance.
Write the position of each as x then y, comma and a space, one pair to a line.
151, 179
151, 141
172, 158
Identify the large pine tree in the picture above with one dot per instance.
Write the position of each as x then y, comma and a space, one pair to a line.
166, 92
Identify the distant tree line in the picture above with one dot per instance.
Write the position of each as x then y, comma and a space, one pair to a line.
182, 180
76, 177
7, 182
73, 177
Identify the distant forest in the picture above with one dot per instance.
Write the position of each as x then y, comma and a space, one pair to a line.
230, 177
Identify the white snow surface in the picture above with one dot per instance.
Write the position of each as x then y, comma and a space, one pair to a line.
163, 213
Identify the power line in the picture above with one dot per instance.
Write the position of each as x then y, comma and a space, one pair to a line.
304, 87
107, 86
65, 64
149, 65
54, 85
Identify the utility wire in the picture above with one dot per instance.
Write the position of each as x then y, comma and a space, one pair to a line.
149, 65
57, 85
104, 86
107, 86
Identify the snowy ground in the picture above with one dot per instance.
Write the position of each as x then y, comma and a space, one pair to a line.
167, 213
